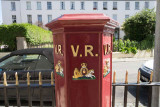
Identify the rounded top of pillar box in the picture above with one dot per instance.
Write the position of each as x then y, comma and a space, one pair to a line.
81, 22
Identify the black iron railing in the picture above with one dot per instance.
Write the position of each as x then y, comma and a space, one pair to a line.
149, 84
51, 85
29, 86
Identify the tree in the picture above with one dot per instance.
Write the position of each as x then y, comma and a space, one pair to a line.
140, 26
156, 73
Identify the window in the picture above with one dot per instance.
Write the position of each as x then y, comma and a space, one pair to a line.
26, 62
114, 5
82, 6
95, 5
116, 34
62, 5
39, 18
29, 17
14, 19
104, 5
28, 3
49, 6
136, 5
43, 64
49, 18
72, 5
13, 6
146, 5
127, 6
126, 16
39, 7
114, 16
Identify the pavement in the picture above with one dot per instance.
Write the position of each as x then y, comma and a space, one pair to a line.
128, 105
130, 59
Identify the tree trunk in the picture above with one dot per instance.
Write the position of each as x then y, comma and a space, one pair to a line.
156, 73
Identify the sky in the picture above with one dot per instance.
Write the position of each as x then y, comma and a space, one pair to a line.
0, 13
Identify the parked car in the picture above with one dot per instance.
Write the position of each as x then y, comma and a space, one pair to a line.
3, 46
145, 70
23, 61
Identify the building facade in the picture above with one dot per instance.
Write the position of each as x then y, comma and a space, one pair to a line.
40, 12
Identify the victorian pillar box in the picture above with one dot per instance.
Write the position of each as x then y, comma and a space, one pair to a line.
83, 59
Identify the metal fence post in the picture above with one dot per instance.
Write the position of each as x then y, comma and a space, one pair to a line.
150, 90
125, 90
53, 90
137, 89
114, 89
29, 91
17, 90
5, 90
40, 89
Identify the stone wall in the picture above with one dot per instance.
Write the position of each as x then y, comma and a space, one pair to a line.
139, 54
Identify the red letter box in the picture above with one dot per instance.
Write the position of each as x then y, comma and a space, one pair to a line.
83, 59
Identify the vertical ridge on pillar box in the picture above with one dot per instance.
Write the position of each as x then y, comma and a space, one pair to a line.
83, 59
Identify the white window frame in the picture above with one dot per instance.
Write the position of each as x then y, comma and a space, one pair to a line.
137, 5
126, 16
49, 5
82, 5
29, 18
114, 17
13, 6
105, 5
127, 5
28, 5
39, 6
115, 6
14, 19
145, 5
95, 5
62, 5
72, 4
49, 18
38, 18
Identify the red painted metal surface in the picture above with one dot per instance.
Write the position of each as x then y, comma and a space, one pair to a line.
83, 69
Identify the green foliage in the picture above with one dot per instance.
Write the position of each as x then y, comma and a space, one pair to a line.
113, 38
140, 26
125, 46
125, 37
125, 50
33, 34
134, 44
146, 44
121, 44
127, 43
134, 50
115, 45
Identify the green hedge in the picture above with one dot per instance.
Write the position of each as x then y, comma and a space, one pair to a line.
125, 46
33, 34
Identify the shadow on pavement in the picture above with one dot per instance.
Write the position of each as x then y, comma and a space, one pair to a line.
143, 97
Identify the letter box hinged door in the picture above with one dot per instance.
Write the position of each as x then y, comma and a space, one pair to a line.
83, 59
